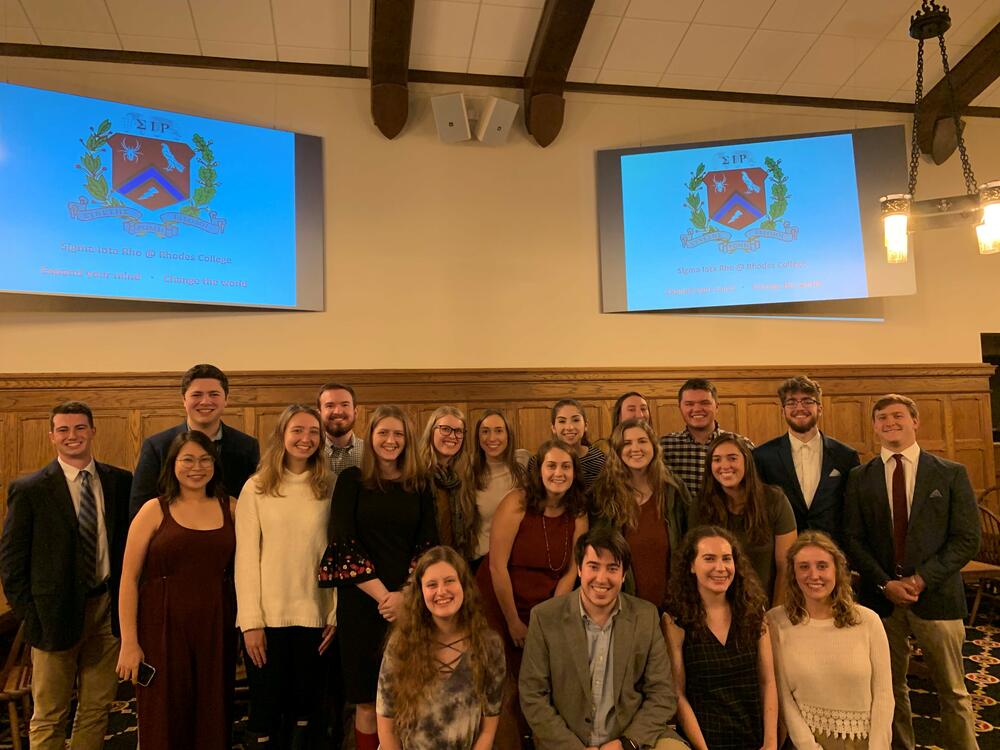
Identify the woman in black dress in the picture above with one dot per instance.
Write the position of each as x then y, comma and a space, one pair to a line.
720, 653
382, 519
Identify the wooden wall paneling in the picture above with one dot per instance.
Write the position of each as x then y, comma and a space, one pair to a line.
728, 417
763, 420
154, 421
113, 442
932, 430
533, 426
848, 419
666, 416
34, 449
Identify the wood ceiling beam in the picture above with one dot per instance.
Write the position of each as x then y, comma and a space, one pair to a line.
389, 63
556, 40
973, 74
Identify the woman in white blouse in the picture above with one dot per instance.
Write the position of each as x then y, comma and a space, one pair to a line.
831, 655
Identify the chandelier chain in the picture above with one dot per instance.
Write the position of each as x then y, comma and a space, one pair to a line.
970, 178
914, 142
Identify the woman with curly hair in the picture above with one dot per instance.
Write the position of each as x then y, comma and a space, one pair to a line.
287, 620
443, 454
383, 519
640, 497
759, 515
442, 676
497, 468
569, 424
832, 655
719, 649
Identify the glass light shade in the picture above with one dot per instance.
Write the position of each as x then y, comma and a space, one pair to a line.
895, 210
988, 232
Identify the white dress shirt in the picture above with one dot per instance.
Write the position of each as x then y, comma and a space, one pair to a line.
75, 482
808, 459
910, 457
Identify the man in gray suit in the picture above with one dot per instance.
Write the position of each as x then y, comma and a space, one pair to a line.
595, 673
911, 523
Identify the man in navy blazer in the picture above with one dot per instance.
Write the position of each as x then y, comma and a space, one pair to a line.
809, 466
205, 389
911, 523
60, 563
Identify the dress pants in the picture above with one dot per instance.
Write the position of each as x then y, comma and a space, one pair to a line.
90, 666
941, 641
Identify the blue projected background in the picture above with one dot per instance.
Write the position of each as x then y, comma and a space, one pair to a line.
102, 199
749, 223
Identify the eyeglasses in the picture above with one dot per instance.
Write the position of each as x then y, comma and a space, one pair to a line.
448, 431
806, 402
202, 462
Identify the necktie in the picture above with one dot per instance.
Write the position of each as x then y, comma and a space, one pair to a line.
899, 512
87, 522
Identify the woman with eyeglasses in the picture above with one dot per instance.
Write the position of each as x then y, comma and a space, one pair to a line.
286, 619
177, 604
443, 454
383, 520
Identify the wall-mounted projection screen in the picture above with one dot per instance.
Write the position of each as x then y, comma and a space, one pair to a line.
110, 200
751, 222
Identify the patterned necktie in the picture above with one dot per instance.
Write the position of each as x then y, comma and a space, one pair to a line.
899, 511
87, 521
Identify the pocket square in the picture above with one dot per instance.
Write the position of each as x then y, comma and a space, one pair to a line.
835, 473
936, 493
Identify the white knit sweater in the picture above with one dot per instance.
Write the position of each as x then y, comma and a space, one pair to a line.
833, 681
279, 543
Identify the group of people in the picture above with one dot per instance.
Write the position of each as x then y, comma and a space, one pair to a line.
462, 593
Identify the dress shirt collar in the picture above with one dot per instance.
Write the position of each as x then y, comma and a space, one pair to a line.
216, 438
911, 454
816, 441
71, 472
611, 619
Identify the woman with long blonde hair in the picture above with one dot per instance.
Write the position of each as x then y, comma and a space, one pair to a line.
640, 497
831, 654
444, 454
442, 675
383, 519
287, 620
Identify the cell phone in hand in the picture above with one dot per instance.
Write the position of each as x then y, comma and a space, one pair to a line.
145, 674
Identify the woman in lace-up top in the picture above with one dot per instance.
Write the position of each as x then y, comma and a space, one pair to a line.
442, 675
832, 656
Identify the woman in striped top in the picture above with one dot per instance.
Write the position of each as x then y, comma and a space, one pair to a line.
569, 424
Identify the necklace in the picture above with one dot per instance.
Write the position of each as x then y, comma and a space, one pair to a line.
548, 554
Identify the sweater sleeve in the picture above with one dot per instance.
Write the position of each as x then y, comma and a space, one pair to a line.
346, 562
249, 612
883, 703
801, 735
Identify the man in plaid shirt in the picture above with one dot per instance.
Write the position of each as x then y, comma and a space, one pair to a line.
684, 452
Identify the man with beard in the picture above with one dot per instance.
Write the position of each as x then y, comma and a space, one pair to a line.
809, 466
337, 407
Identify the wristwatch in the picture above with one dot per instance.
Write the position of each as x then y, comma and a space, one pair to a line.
629, 744
881, 586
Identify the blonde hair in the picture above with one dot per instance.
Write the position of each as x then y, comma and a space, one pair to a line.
272, 463
428, 456
412, 475
845, 612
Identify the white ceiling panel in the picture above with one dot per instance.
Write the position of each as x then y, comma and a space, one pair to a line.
443, 28
245, 50
832, 60
323, 24
753, 87
12, 14
505, 33
889, 66
795, 88
628, 77
361, 18
319, 55
772, 55
704, 83
165, 44
959, 10
596, 41
496, 67
18, 35
439, 62
644, 46
582, 75
609, 7
359, 58
976, 26
658, 10
745, 13
242, 22
801, 15
709, 50
865, 92
903, 96
79, 15
168, 18
64, 38
868, 18
517, 3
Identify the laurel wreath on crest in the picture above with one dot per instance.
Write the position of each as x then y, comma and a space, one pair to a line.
779, 193
207, 175
96, 184
698, 218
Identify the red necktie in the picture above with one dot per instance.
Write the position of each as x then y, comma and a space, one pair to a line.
899, 512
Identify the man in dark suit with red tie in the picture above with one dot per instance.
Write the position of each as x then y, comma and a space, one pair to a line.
809, 466
911, 523
60, 563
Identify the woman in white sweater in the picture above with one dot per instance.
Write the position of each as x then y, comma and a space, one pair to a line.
282, 520
832, 656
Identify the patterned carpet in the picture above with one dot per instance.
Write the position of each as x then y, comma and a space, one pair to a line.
982, 658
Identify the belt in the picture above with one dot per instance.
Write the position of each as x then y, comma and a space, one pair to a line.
101, 588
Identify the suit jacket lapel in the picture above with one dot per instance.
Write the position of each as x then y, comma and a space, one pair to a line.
108, 491
876, 489
576, 643
926, 474
824, 472
59, 490
622, 639
785, 452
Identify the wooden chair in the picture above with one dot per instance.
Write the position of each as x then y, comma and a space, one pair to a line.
981, 571
15, 685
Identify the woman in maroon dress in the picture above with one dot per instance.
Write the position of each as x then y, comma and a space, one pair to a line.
178, 606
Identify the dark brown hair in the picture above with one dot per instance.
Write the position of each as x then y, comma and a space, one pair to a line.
204, 371
712, 501
616, 410
894, 398
603, 538
799, 384
335, 387
168, 486
698, 384
575, 499
70, 407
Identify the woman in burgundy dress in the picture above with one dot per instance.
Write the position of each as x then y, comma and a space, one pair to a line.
178, 605
531, 558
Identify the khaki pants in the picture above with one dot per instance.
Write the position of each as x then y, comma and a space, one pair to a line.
89, 666
941, 641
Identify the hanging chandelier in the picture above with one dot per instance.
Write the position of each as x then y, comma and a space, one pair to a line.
980, 205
